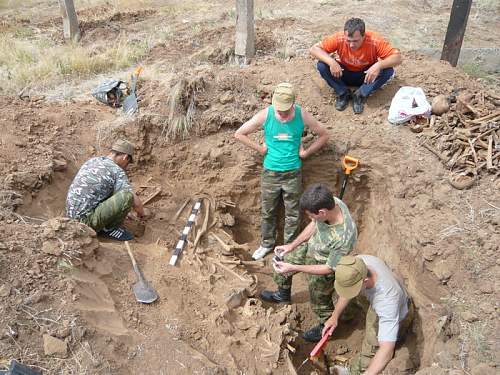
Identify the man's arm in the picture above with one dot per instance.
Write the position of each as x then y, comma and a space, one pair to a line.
319, 53
313, 269
333, 320
302, 237
389, 62
138, 206
252, 125
381, 359
318, 129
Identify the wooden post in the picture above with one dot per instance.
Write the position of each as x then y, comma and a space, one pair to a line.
456, 30
245, 34
70, 21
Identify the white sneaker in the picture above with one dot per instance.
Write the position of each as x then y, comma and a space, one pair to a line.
341, 370
261, 252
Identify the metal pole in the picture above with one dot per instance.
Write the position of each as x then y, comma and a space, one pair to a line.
456, 30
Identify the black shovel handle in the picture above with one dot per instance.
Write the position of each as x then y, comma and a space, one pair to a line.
344, 185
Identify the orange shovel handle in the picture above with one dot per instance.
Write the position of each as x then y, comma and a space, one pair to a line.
349, 163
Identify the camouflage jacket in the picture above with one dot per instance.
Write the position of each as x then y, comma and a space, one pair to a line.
331, 242
96, 181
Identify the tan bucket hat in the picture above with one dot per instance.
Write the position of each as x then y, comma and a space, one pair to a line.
349, 275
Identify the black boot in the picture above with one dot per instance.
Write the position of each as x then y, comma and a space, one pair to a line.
343, 100
280, 296
358, 102
314, 334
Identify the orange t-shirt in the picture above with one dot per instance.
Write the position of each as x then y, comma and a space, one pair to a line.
374, 47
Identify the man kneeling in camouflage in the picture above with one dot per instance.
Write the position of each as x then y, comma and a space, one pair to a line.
330, 235
101, 196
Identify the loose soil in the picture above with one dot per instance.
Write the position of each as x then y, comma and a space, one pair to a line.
59, 279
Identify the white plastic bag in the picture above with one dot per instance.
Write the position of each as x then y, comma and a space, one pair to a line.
408, 103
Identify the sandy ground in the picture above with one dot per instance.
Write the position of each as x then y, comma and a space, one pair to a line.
58, 279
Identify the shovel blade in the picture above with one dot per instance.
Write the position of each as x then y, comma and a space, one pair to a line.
130, 105
144, 292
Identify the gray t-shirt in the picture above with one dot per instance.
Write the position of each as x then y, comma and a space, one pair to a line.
96, 181
388, 298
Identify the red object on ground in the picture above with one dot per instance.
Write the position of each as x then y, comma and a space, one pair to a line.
321, 344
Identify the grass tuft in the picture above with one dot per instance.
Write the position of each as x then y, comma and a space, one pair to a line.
181, 108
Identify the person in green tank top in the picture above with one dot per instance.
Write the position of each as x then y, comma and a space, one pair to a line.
283, 124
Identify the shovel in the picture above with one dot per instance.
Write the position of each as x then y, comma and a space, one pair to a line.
144, 292
349, 163
130, 105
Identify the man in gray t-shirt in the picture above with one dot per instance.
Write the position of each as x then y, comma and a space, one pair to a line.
100, 194
388, 317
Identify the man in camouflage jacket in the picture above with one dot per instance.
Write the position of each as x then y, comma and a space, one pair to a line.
101, 195
330, 235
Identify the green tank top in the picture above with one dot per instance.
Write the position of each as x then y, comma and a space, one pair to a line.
283, 141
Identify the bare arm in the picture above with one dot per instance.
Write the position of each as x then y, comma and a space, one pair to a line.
318, 129
382, 358
302, 237
251, 126
333, 320
313, 269
319, 53
138, 206
389, 62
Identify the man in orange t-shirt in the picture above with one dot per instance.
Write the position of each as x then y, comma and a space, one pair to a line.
363, 59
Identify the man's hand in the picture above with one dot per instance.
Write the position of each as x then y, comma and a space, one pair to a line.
372, 73
283, 249
147, 214
138, 206
282, 267
331, 322
263, 149
303, 152
335, 69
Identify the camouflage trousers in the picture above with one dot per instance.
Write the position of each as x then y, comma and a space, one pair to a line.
110, 213
275, 185
370, 342
320, 286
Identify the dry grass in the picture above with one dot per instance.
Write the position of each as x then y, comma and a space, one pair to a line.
181, 108
42, 63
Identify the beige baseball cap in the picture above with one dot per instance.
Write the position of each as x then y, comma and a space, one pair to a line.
125, 147
283, 96
349, 275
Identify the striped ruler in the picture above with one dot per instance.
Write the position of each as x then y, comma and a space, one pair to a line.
182, 241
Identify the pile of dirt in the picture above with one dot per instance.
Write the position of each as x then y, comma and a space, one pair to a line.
38, 323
